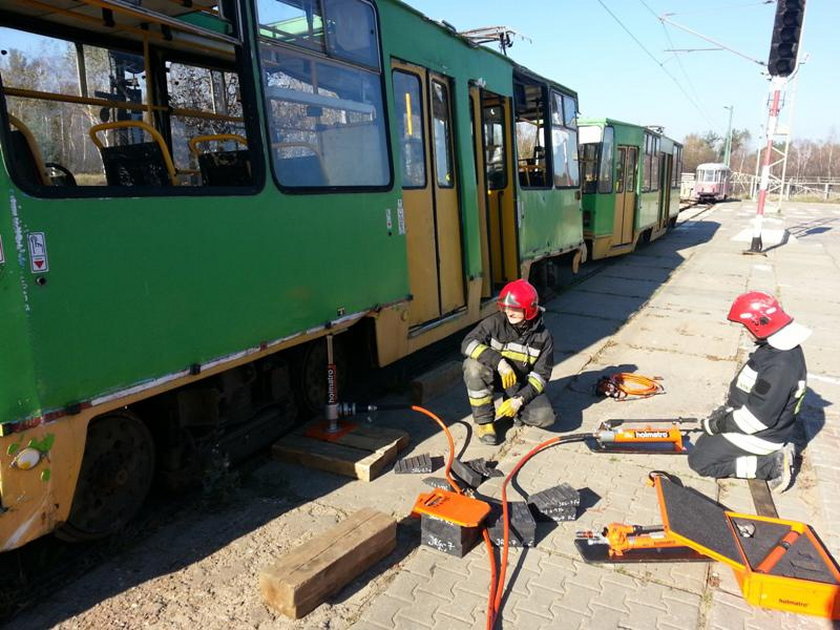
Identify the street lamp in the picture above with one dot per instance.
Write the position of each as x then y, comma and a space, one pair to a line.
728, 146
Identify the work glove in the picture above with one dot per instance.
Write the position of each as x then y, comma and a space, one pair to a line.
510, 407
507, 374
714, 422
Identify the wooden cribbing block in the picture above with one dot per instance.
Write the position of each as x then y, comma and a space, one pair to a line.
364, 452
303, 578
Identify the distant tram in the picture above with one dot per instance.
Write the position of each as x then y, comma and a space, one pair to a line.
711, 182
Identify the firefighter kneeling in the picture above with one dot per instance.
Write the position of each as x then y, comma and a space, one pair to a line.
511, 352
751, 437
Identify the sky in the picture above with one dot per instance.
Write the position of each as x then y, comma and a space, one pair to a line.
628, 64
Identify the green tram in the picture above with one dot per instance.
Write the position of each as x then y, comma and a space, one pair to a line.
631, 180
195, 194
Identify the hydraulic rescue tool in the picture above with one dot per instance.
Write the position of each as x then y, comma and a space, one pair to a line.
662, 436
779, 564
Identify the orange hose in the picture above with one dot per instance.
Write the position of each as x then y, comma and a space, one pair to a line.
491, 613
646, 386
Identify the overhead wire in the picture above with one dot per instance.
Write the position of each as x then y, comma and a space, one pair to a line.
657, 62
677, 57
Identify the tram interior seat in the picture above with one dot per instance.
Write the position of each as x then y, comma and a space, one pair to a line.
223, 167
139, 164
29, 164
226, 168
136, 164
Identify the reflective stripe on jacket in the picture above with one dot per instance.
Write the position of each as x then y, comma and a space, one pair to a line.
764, 398
530, 352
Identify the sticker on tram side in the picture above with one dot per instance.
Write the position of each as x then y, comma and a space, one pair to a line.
38, 253
400, 217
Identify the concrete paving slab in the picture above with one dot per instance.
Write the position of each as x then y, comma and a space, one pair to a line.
575, 334
683, 333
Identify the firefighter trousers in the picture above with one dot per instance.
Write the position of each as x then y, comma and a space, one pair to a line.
482, 383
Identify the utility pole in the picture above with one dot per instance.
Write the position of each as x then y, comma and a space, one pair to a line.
783, 51
727, 152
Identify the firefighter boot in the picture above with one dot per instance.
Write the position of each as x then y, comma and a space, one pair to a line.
486, 433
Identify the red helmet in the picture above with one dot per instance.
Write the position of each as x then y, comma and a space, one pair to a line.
760, 313
520, 294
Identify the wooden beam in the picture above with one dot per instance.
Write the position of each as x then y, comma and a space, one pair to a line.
303, 578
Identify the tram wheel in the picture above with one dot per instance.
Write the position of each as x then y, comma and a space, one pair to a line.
114, 479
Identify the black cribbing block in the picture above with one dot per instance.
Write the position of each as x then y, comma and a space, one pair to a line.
484, 468
523, 523
558, 503
557, 496
446, 536
437, 482
495, 528
412, 465
466, 474
559, 515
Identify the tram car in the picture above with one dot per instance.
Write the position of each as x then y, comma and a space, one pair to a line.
197, 194
630, 182
711, 182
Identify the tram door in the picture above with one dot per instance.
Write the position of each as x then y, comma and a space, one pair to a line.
665, 174
491, 119
430, 192
625, 199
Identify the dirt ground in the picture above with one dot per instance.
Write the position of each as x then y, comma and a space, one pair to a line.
200, 566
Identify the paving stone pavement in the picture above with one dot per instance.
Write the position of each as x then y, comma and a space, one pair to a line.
660, 311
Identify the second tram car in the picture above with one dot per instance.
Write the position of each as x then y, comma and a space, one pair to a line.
630, 185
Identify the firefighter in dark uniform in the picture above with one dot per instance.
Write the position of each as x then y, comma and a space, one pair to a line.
510, 352
751, 437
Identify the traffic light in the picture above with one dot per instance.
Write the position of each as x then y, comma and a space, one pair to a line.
785, 42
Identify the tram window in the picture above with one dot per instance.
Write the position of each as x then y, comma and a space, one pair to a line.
651, 163
87, 112
564, 141
531, 138
322, 117
408, 105
495, 147
298, 22
42, 75
345, 29
589, 166
619, 170
605, 175
442, 135
351, 31
205, 106
677, 168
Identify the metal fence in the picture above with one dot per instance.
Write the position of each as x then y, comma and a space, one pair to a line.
745, 186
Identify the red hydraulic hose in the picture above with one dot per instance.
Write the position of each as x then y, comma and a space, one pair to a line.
499, 587
497, 582
491, 613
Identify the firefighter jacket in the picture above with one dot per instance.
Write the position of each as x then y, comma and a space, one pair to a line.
529, 351
763, 400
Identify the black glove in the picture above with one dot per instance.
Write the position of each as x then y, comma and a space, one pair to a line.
714, 423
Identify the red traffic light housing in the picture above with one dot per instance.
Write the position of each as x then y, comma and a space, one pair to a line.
785, 43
